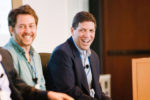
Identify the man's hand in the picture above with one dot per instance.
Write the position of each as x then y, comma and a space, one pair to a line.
58, 96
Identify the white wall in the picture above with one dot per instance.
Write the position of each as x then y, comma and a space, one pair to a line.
5, 7
55, 17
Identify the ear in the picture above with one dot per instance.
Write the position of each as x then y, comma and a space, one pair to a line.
72, 30
11, 30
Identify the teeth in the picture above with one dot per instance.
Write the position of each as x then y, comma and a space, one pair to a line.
86, 41
27, 37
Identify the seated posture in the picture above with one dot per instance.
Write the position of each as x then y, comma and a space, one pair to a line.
73, 67
12, 87
22, 23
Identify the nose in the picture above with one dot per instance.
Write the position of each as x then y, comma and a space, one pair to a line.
27, 30
87, 34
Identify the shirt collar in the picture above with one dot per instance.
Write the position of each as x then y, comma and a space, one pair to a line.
20, 49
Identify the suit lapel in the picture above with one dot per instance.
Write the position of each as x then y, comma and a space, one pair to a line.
92, 64
78, 65
81, 73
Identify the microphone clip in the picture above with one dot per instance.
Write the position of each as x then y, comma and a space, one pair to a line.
1, 75
35, 80
86, 66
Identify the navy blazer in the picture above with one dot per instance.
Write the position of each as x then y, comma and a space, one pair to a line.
67, 74
19, 89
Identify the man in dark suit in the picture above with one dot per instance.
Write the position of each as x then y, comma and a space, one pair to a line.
12, 86
73, 67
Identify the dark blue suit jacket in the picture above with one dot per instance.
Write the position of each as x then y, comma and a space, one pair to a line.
67, 74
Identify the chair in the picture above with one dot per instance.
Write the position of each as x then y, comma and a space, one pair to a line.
44, 60
141, 78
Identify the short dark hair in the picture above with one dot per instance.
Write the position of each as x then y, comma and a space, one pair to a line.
25, 9
81, 17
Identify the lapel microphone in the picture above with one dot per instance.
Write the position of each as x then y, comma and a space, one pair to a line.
86, 66
1, 75
35, 80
